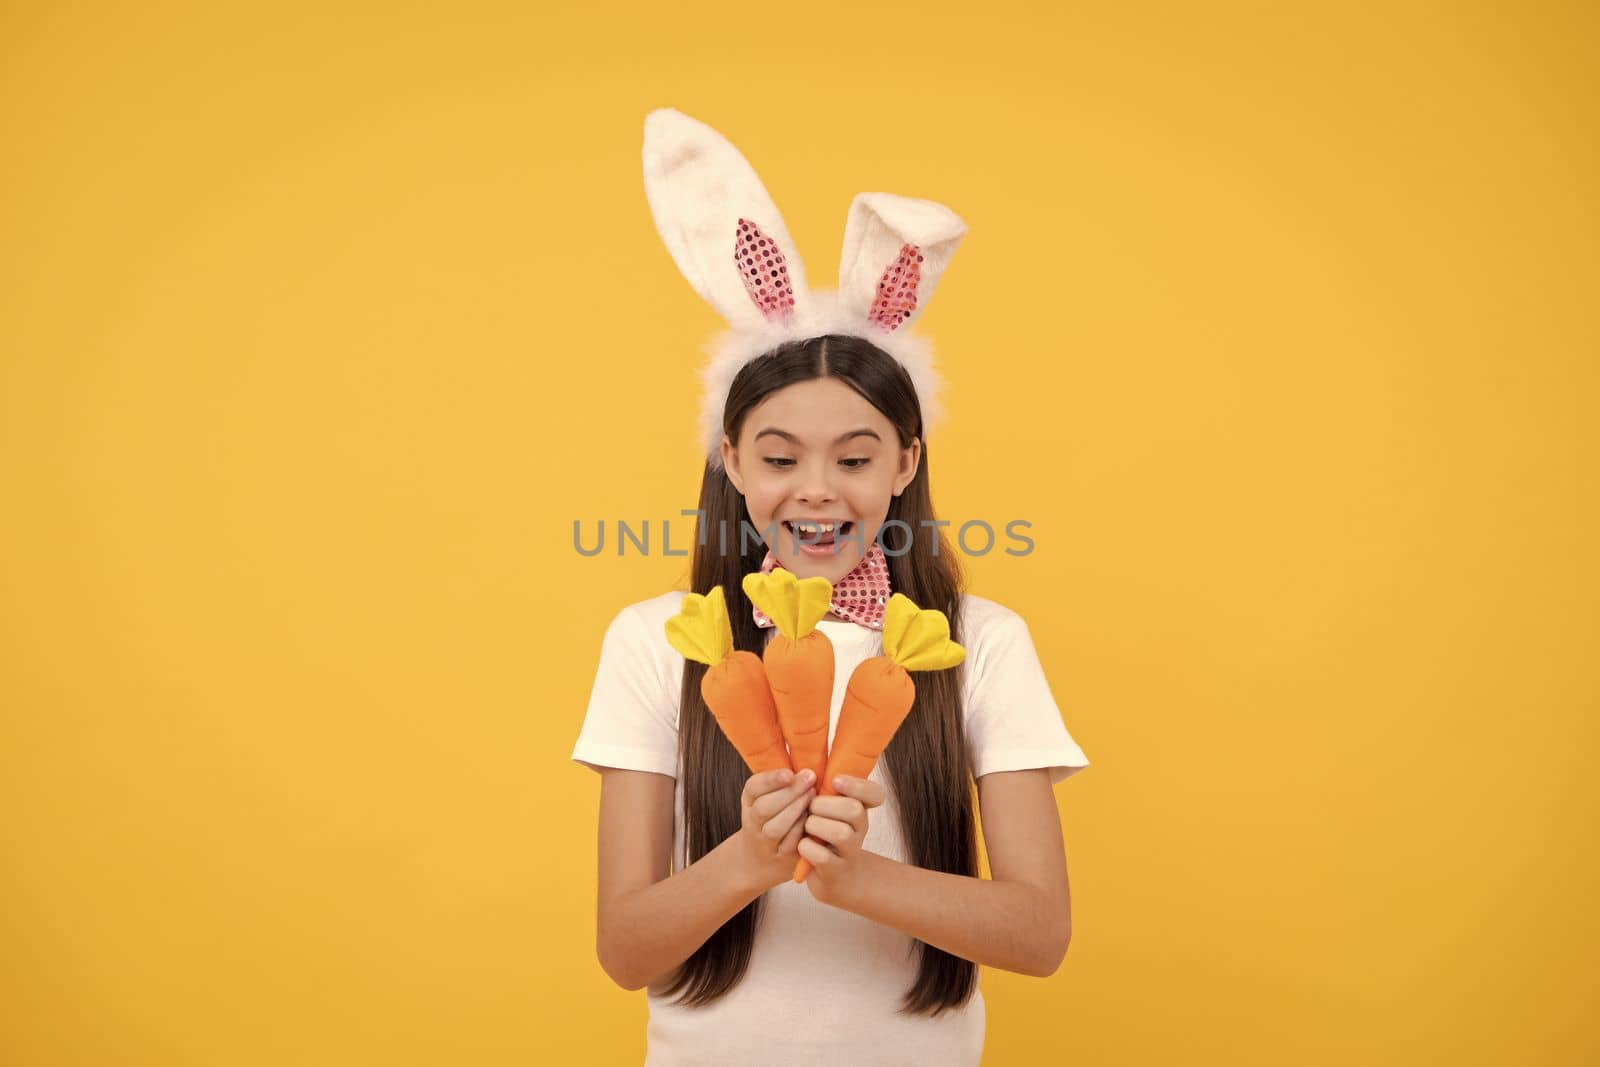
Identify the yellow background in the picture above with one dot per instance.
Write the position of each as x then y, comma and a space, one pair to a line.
321, 324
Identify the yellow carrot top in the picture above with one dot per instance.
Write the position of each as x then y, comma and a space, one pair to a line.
793, 604
701, 630
918, 639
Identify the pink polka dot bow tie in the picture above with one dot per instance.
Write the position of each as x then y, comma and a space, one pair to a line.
859, 596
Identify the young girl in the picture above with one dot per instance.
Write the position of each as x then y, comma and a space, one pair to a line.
815, 423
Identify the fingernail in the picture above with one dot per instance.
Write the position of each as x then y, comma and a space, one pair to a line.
807, 774
838, 783
785, 777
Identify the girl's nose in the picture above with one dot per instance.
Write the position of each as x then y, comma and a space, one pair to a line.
817, 491
814, 480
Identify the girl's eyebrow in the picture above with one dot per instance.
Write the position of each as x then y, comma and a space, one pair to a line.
841, 439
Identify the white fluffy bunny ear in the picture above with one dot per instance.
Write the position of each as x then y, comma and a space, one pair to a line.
895, 250
722, 228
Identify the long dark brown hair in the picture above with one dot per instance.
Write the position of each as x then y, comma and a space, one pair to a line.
927, 761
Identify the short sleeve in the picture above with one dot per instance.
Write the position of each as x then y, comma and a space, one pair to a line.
632, 719
1013, 722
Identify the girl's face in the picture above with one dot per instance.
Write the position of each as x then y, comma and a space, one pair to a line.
817, 451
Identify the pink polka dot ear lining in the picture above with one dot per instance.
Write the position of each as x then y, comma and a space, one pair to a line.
764, 271
897, 290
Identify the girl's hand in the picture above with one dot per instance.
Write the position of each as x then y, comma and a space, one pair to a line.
773, 803
841, 824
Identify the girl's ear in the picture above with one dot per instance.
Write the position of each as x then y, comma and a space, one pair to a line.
730, 464
910, 457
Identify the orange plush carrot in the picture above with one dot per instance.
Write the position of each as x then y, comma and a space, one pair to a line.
735, 686
799, 661
880, 693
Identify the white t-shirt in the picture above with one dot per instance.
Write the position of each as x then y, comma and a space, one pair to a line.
828, 981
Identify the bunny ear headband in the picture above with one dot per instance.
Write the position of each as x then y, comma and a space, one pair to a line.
727, 237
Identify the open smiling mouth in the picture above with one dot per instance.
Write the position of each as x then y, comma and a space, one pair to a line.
816, 542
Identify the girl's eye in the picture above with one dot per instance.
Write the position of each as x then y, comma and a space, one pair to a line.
783, 463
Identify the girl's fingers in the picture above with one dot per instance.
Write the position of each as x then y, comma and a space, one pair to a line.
845, 809
832, 831
766, 782
774, 802
816, 853
778, 826
791, 840
871, 794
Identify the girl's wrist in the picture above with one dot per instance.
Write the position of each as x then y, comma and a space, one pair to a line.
747, 878
854, 894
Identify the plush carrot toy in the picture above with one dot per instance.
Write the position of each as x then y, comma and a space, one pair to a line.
880, 692
735, 687
799, 661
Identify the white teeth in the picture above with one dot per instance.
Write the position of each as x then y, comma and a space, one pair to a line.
814, 527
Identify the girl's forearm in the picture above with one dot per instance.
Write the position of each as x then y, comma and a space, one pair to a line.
651, 931
1008, 925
